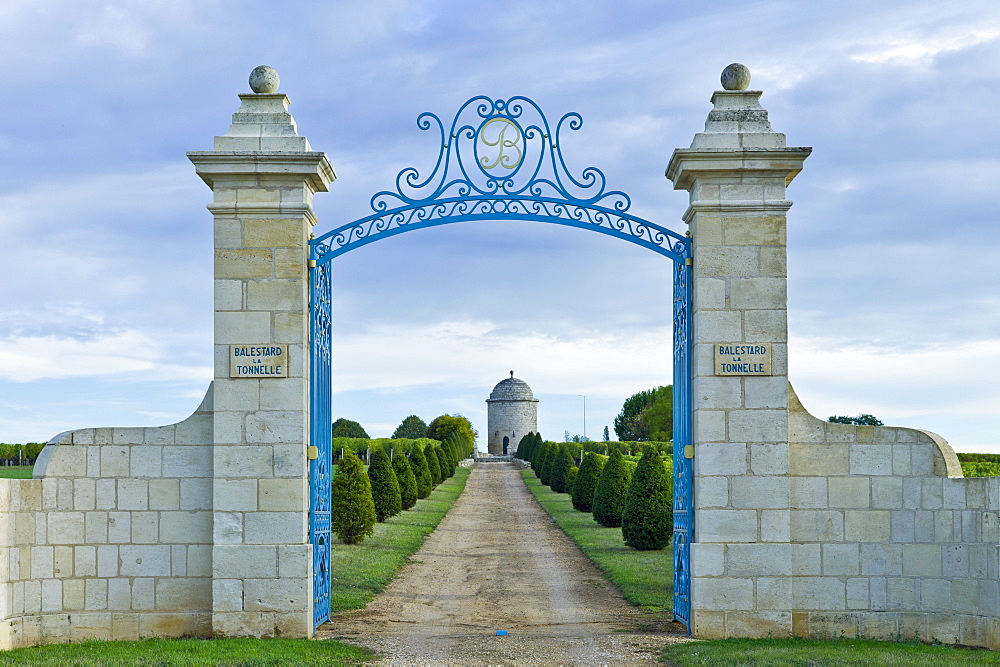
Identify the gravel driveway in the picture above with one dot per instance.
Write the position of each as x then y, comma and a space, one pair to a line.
498, 562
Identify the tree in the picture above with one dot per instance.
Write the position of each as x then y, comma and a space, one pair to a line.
862, 419
559, 470
607, 436
412, 428
571, 480
453, 447
445, 461
536, 448
346, 428
406, 479
567, 437
440, 427
550, 451
586, 481
648, 519
352, 511
659, 416
385, 486
523, 451
636, 422
609, 494
539, 461
433, 465
421, 472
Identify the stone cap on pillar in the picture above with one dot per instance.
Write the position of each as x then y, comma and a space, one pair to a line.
738, 139
263, 142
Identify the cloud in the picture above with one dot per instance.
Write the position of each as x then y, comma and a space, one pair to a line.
116, 354
920, 51
464, 353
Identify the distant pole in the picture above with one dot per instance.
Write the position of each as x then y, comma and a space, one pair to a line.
584, 416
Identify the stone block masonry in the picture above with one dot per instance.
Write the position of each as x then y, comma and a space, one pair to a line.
114, 541
803, 527
198, 528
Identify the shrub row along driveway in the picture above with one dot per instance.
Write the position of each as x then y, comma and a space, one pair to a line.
497, 562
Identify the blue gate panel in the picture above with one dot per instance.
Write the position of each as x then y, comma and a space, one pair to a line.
320, 434
683, 463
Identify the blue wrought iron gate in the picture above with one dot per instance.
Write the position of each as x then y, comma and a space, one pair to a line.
320, 434
683, 447
498, 160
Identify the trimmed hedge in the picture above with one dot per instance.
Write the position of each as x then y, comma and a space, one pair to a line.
421, 472
586, 481
407, 482
559, 470
433, 465
980, 469
20, 455
385, 487
363, 446
648, 520
609, 495
352, 511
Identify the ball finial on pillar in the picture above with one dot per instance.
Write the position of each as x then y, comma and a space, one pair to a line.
264, 79
736, 77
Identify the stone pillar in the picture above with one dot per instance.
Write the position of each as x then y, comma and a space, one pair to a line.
736, 172
263, 176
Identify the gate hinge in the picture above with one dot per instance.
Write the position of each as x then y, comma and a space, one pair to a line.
312, 263
688, 261
689, 451
312, 452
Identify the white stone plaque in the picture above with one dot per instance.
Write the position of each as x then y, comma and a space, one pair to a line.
258, 361
743, 359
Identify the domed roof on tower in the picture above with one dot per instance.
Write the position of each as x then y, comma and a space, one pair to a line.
512, 389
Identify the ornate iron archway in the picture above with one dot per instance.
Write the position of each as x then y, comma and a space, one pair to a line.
498, 160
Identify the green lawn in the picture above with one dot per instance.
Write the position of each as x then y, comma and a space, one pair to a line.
16, 472
645, 578
362, 571
191, 652
821, 652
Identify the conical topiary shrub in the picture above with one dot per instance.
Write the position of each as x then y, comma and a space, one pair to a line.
550, 454
559, 470
539, 461
444, 460
352, 511
609, 494
385, 486
586, 481
571, 480
433, 465
536, 446
407, 482
421, 472
523, 445
648, 519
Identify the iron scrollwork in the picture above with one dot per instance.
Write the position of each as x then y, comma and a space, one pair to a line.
500, 159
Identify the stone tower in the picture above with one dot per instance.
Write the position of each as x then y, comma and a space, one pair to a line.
512, 412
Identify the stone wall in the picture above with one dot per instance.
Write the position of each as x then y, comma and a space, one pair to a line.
198, 528
801, 526
513, 419
885, 539
113, 540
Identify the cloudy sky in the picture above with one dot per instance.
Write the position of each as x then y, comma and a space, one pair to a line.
894, 242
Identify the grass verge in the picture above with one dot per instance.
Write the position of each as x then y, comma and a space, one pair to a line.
796, 651
362, 571
16, 472
191, 652
645, 578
